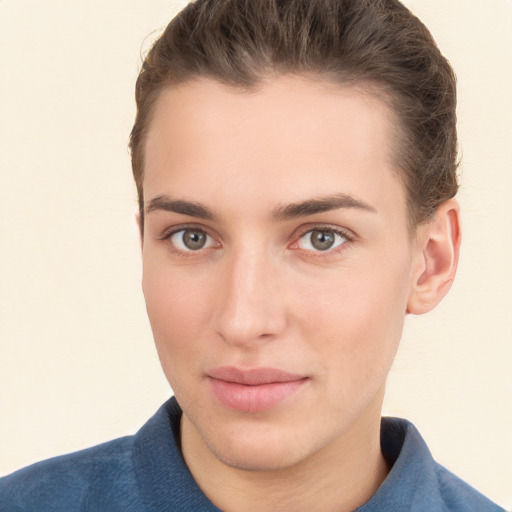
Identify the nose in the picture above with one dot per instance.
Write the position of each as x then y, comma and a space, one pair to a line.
251, 305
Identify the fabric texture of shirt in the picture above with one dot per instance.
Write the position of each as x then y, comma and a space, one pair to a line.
146, 473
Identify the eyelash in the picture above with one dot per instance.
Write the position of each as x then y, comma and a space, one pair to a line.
294, 246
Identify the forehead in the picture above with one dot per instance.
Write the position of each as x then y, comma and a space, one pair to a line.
288, 139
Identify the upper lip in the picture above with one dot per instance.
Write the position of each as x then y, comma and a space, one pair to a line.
253, 376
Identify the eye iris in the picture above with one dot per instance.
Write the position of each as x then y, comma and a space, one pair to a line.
322, 240
194, 240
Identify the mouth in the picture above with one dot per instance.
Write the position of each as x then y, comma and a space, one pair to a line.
254, 390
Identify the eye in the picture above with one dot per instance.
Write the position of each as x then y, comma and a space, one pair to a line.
321, 240
191, 239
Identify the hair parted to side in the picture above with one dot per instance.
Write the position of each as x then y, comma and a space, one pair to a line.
374, 43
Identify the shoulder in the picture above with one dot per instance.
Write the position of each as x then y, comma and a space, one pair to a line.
71, 482
144, 472
416, 481
459, 496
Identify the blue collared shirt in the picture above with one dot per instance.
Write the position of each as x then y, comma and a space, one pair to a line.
146, 473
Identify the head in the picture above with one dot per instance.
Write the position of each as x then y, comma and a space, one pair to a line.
284, 154
377, 45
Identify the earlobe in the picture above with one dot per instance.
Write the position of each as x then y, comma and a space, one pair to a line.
437, 259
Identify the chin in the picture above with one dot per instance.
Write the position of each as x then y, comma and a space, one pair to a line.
256, 458
258, 449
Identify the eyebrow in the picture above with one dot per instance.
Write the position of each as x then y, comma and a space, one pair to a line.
190, 208
319, 205
281, 213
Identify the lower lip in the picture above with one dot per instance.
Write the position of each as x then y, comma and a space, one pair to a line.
257, 398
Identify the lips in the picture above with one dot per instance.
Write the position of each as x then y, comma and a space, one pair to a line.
254, 390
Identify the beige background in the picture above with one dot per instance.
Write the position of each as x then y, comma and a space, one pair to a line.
77, 365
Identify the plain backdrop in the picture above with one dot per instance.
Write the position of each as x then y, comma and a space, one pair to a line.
77, 362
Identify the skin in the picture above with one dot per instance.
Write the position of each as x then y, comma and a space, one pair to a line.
260, 294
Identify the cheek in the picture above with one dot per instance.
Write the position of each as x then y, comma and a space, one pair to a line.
355, 324
178, 311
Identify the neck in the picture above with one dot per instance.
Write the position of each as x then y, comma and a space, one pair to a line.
340, 477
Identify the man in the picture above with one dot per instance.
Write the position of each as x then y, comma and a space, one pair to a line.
296, 168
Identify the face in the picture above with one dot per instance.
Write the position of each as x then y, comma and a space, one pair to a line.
277, 264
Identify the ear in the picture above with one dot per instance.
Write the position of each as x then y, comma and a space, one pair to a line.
437, 256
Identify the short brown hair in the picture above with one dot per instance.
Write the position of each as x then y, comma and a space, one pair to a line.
376, 42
